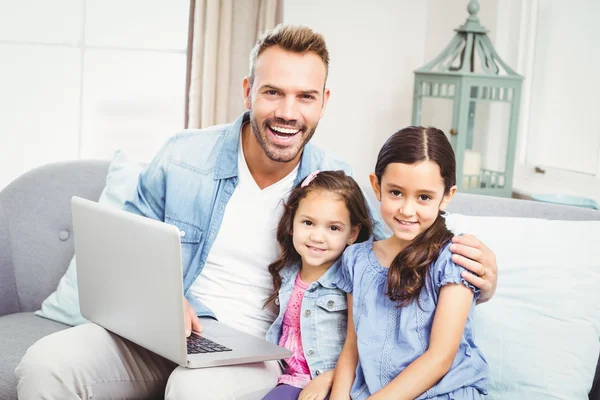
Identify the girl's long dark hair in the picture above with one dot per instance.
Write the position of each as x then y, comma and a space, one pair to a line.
336, 182
408, 271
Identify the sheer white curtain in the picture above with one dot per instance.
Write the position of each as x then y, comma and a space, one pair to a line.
222, 34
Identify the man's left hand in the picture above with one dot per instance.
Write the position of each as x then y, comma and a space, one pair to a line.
471, 253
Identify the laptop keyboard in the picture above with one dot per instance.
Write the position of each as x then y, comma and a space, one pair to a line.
198, 344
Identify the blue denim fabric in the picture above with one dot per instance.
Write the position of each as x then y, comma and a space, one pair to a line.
389, 337
190, 181
323, 320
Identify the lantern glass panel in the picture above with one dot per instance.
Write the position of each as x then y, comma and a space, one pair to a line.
437, 112
487, 139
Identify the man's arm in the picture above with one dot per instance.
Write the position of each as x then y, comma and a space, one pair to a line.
149, 201
149, 198
474, 255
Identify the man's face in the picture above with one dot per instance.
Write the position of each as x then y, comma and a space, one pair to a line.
286, 101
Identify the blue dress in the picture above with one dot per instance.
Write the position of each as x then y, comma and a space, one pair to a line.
389, 337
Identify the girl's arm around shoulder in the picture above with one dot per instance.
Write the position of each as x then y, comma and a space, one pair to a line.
454, 304
345, 369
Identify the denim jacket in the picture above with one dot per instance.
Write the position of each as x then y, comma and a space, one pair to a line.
190, 181
323, 318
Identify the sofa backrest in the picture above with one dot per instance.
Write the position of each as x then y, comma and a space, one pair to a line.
478, 205
36, 242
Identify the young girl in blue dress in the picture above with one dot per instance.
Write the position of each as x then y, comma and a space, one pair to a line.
410, 323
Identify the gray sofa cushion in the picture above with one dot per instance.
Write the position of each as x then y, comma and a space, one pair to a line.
37, 217
9, 300
17, 333
478, 205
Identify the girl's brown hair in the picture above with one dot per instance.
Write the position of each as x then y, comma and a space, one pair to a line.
408, 270
336, 182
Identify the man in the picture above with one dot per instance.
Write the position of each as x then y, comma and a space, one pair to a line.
222, 187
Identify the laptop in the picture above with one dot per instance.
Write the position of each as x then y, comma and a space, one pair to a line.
130, 282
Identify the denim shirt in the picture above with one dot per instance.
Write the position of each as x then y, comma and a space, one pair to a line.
190, 181
323, 318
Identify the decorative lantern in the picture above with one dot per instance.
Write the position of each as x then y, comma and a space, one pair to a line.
472, 95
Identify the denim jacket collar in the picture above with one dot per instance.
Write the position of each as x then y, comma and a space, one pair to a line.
327, 280
227, 164
330, 277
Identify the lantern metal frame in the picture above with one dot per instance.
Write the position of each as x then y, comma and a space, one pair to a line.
452, 75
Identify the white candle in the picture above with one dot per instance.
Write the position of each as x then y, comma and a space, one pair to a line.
471, 166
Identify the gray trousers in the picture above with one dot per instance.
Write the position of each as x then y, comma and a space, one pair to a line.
88, 362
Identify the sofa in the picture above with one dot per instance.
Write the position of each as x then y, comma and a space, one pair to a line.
36, 246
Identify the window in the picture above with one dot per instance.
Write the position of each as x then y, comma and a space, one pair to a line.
560, 124
81, 78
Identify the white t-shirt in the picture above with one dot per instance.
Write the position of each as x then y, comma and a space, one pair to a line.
235, 280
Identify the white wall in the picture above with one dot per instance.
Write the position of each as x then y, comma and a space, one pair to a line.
565, 88
374, 47
77, 77
558, 129
443, 16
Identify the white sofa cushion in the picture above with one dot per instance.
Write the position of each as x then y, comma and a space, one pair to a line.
540, 333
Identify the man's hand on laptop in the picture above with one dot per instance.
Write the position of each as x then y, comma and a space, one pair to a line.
192, 322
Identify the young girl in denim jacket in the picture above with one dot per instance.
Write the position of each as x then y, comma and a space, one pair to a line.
323, 215
410, 327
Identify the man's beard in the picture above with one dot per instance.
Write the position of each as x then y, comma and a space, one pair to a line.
271, 150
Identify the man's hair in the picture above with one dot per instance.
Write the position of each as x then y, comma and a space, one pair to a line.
293, 38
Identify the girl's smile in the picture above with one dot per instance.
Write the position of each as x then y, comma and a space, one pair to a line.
408, 225
316, 249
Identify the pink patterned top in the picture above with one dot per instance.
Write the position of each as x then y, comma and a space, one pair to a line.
297, 373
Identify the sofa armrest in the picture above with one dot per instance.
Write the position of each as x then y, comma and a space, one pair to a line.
9, 299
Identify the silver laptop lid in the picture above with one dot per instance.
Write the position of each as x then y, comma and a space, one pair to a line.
113, 249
